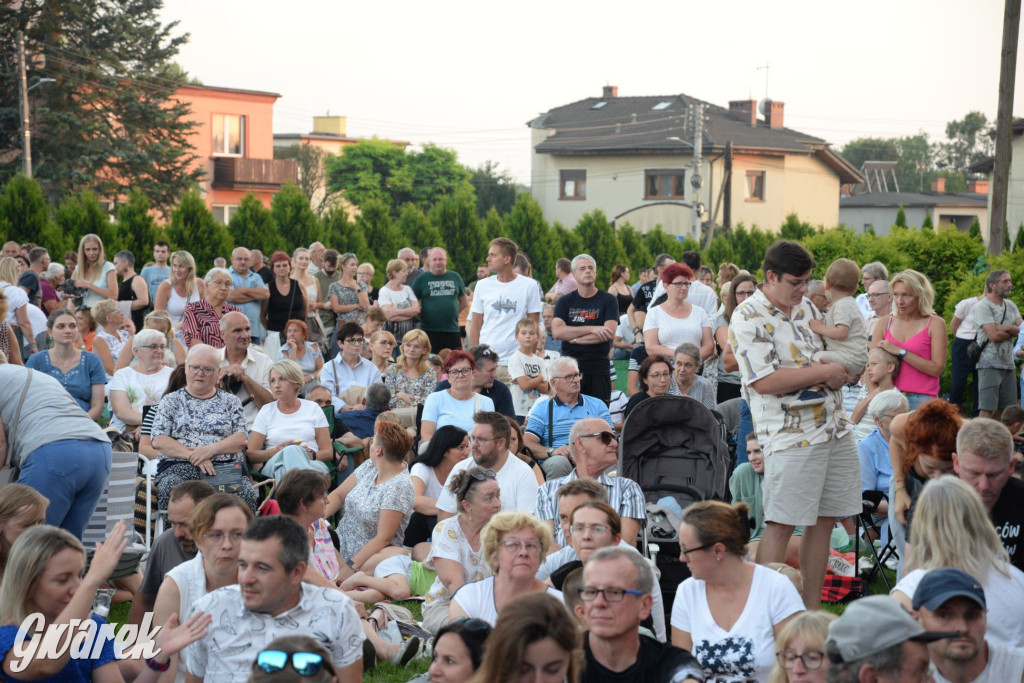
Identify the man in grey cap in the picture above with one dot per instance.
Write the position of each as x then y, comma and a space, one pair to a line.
952, 600
876, 640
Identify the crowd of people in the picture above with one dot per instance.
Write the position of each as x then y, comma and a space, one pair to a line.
318, 449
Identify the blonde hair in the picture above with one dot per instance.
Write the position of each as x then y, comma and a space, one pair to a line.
102, 309
509, 521
394, 265
166, 317
26, 563
3, 304
14, 498
415, 336
810, 627
190, 282
9, 270
82, 271
289, 371
952, 529
919, 285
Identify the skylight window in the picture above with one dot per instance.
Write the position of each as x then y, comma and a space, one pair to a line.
599, 105
661, 105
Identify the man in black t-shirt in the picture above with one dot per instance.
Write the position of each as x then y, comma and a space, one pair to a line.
585, 320
616, 596
984, 459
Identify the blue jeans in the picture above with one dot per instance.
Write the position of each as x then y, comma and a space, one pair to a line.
915, 401
746, 426
962, 369
72, 475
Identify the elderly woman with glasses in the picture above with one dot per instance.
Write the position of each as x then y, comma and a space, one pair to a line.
160, 321
216, 526
199, 429
687, 378
729, 605
800, 649
141, 385
79, 372
200, 323
514, 543
456, 549
655, 380
110, 338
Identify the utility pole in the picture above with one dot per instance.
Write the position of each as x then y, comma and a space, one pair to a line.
1004, 126
26, 132
696, 181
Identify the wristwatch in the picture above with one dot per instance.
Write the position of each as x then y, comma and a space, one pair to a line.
902, 353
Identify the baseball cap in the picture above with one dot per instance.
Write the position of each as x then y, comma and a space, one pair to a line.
871, 625
940, 585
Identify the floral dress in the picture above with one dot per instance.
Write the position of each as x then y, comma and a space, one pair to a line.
364, 504
419, 388
348, 297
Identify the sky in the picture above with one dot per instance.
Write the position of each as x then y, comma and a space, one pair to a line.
470, 75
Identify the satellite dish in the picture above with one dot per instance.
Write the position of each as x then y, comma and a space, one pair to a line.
762, 107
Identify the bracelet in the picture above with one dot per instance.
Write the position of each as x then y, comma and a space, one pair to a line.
157, 666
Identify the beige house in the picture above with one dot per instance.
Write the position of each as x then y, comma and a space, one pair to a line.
632, 157
1015, 188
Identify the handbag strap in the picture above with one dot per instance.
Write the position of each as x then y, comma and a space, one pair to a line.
982, 345
17, 416
551, 422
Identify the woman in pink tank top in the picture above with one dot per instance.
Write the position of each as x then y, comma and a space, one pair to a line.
914, 334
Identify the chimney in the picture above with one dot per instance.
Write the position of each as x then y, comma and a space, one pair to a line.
329, 125
610, 92
939, 186
773, 113
744, 111
978, 186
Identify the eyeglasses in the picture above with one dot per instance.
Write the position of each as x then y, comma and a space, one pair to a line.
155, 347
810, 659
589, 594
580, 529
744, 295
569, 378
796, 284
878, 295
217, 537
304, 663
659, 375
485, 475
354, 340
459, 372
200, 369
385, 342
515, 546
606, 437
686, 553
680, 285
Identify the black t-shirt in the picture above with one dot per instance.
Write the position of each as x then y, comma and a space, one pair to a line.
266, 274
643, 296
30, 281
578, 311
1008, 516
284, 307
655, 663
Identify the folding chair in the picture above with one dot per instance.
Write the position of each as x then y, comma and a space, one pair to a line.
340, 449
866, 522
153, 527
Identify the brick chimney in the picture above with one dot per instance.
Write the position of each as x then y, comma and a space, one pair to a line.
939, 186
978, 186
745, 111
610, 92
773, 113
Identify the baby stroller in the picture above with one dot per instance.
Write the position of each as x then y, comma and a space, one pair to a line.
675, 449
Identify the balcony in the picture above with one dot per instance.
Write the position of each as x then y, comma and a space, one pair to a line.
239, 173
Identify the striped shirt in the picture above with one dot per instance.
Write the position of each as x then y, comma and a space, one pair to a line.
624, 495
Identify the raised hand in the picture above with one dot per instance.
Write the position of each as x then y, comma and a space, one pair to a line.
107, 555
174, 637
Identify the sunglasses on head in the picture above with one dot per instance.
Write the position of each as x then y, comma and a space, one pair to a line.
304, 663
606, 437
481, 476
471, 624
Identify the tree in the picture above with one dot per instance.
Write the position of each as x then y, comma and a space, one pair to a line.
24, 215
795, 230
296, 222
493, 225
567, 243
81, 214
718, 252
975, 231
969, 141
312, 161
926, 224
660, 242
194, 229
109, 121
494, 189
456, 221
137, 226
1018, 242
436, 172
901, 218
344, 234
417, 232
599, 241
253, 226
636, 249
525, 225
382, 237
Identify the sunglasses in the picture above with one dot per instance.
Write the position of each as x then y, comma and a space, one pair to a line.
471, 624
606, 437
304, 663
486, 474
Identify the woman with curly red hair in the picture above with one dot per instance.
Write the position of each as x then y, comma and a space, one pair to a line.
921, 445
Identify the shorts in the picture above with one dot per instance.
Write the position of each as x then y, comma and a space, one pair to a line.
997, 389
803, 484
420, 578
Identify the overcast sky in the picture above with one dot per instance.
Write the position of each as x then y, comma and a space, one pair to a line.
469, 75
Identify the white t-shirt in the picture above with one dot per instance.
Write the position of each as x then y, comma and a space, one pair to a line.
442, 409
400, 299
521, 365
428, 475
1004, 596
675, 331
16, 298
502, 305
516, 481
477, 600
747, 650
142, 390
1004, 664
302, 424
448, 542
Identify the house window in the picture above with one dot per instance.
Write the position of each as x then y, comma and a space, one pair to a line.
228, 135
755, 186
572, 184
223, 213
664, 184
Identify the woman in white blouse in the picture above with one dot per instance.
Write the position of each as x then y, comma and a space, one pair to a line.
397, 301
428, 474
677, 321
